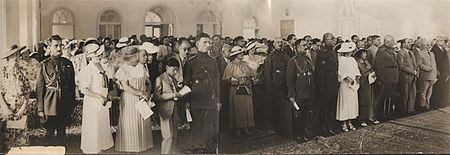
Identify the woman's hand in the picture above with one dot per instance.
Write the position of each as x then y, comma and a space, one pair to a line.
103, 98
146, 96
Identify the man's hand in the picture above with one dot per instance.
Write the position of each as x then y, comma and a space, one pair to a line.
292, 100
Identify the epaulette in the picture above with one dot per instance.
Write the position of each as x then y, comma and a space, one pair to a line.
45, 60
192, 57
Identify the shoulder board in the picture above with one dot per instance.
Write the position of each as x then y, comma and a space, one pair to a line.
45, 60
193, 57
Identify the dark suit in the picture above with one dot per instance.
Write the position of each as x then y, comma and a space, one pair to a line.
407, 80
290, 51
299, 79
55, 92
275, 79
440, 97
387, 71
326, 82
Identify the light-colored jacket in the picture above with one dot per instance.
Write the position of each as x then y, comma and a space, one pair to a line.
163, 95
427, 65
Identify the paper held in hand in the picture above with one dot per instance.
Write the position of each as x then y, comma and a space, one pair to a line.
144, 109
372, 77
19, 124
185, 90
295, 105
188, 115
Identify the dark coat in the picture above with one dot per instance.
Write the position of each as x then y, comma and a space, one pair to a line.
288, 50
275, 71
55, 96
386, 65
202, 75
441, 62
325, 76
299, 78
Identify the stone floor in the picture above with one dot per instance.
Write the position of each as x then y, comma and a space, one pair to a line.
424, 133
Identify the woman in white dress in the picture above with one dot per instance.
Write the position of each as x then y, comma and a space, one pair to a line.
348, 76
95, 127
134, 133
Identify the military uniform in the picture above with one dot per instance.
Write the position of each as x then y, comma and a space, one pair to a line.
275, 79
326, 82
201, 74
299, 78
55, 93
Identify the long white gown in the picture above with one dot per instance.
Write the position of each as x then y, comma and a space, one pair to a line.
347, 102
95, 128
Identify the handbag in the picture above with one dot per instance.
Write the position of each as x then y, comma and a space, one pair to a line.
244, 90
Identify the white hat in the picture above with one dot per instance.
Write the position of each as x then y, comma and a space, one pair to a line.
251, 45
70, 43
261, 48
94, 50
347, 47
124, 41
236, 50
149, 48
13, 50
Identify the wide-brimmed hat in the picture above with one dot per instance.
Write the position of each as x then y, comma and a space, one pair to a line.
359, 52
261, 48
149, 48
251, 45
94, 50
347, 47
14, 49
70, 43
129, 53
236, 50
124, 41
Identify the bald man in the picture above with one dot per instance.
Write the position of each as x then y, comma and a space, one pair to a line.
387, 71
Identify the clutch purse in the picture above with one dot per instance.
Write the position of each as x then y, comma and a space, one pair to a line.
244, 90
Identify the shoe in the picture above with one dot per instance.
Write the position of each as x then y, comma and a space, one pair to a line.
374, 121
300, 140
363, 124
351, 127
344, 128
331, 132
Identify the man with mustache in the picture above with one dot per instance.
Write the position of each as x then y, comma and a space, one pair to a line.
55, 90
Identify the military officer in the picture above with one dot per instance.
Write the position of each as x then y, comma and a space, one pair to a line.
326, 82
299, 79
275, 79
55, 90
202, 75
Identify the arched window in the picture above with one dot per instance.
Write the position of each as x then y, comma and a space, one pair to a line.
250, 28
158, 22
206, 23
109, 24
62, 23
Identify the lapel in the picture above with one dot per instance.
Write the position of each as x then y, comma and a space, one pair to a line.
165, 77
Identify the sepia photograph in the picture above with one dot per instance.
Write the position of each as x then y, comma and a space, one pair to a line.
224, 77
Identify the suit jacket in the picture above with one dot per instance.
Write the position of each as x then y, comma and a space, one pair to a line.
386, 65
371, 54
165, 87
289, 51
201, 74
427, 64
442, 61
275, 71
55, 87
408, 65
299, 78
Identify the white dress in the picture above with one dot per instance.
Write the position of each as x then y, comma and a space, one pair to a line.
347, 102
95, 128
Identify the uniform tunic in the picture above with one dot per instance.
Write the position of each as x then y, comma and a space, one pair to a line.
134, 134
95, 121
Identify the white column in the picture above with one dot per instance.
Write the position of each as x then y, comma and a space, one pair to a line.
3, 47
36, 22
23, 23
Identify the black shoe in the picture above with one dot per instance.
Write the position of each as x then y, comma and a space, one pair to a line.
331, 132
300, 140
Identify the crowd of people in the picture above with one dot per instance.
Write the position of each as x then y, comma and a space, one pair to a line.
308, 86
